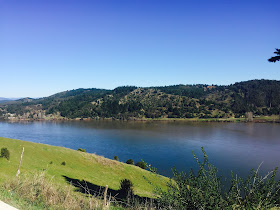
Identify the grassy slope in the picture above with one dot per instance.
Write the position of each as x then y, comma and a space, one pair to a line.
92, 168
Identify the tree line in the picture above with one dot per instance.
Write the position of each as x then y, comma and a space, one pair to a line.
261, 97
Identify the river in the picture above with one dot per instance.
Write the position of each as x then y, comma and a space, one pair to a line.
229, 146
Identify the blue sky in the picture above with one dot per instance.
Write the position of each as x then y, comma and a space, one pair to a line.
49, 46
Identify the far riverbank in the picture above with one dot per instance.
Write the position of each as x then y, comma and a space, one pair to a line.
259, 119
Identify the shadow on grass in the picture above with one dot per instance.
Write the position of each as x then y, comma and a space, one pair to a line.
98, 191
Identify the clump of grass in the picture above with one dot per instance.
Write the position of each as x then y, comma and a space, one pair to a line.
63, 163
38, 191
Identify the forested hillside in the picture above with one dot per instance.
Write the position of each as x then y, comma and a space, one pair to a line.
261, 97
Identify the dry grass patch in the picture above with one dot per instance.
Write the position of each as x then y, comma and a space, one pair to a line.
38, 190
101, 160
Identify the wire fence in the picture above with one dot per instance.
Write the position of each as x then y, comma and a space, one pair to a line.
129, 201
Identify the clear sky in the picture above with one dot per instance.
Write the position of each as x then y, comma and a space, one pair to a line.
48, 46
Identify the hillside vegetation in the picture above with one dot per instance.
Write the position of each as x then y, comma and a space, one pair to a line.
261, 97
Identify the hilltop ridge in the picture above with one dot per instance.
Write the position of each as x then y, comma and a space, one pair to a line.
261, 97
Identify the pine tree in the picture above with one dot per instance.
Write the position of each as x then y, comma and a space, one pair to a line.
275, 58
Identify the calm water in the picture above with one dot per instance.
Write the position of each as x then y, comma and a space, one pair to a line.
229, 146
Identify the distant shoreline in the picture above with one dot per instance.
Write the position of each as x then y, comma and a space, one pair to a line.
262, 119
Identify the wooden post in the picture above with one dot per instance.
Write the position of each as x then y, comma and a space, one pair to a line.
18, 171
151, 204
105, 197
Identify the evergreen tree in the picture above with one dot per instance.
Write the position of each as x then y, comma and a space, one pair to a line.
275, 58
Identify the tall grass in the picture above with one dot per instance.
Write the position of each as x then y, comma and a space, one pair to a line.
38, 191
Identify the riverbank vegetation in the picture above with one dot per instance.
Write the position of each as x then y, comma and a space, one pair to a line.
205, 189
189, 102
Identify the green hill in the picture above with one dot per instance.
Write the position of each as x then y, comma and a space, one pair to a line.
94, 169
261, 97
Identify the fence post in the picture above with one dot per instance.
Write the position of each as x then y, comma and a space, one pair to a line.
18, 171
105, 196
151, 203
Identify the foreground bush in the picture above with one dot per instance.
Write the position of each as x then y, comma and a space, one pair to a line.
5, 153
126, 188
204, 190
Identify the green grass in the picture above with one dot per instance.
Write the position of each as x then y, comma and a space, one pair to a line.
272, 118
79, 165
268, 119
16, 201
196, 119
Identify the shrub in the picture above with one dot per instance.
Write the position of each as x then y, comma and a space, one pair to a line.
63, 163
126, 188
81, 150
194, 191
130, 161
5, 153
204, 190
141, 165
51, 162
116, 158
255, 192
